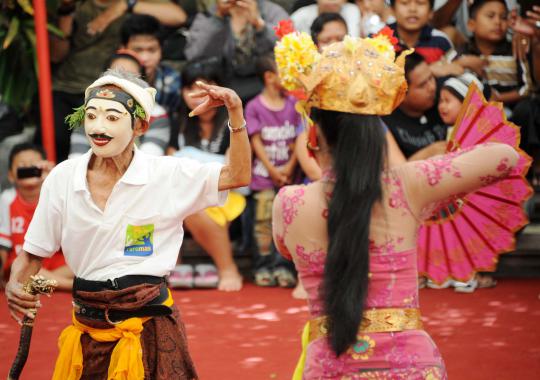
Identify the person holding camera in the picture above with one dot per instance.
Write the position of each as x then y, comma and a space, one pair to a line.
237, 31
27, 171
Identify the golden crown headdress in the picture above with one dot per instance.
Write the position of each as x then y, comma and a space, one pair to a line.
357, 75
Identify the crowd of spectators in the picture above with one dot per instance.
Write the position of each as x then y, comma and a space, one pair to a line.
174, 44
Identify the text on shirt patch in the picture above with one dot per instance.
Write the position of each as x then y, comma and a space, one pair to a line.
139, 240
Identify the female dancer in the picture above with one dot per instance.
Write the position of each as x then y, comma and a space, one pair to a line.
352, 234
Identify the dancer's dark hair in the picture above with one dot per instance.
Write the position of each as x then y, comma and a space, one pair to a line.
357, 146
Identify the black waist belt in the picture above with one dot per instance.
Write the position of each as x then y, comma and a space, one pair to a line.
153, 308
114, 284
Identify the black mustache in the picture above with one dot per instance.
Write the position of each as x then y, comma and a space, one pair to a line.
100, 136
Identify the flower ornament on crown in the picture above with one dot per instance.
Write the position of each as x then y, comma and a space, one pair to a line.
357, 75
295, 55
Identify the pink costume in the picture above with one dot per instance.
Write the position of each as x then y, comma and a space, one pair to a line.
410, 191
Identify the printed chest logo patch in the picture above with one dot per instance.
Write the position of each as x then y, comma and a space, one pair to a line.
139, 240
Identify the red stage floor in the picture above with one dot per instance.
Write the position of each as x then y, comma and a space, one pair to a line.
254, 334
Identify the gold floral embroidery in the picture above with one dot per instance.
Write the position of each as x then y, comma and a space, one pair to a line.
430, 373
363, 348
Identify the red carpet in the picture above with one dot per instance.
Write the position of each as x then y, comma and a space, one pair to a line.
254, 334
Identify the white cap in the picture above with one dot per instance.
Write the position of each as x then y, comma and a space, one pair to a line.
144, 96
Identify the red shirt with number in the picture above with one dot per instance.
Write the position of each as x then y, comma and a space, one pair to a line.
15, 216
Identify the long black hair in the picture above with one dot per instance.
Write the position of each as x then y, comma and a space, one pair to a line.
357, 146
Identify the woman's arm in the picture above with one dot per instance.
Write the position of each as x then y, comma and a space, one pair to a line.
436, 179
434, 149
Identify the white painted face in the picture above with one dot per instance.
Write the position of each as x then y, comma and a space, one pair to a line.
107, 125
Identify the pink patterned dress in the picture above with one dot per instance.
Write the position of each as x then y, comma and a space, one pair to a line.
410, 191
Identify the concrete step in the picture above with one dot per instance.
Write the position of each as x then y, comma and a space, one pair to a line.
524, 262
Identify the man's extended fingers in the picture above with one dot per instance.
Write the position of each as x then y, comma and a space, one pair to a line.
198, 94
201, 108
204, 86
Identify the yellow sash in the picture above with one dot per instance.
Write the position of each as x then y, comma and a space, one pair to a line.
299, 370
126, 359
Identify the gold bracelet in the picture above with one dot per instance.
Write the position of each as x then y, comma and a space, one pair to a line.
235, 130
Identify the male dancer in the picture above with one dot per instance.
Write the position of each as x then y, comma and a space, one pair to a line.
116, 213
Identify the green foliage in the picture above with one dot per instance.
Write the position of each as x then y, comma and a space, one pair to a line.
76, 119
139, 112
18, 62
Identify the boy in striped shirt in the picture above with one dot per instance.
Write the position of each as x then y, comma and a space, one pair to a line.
508, 77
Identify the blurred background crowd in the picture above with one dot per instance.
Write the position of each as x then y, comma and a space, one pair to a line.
172, 44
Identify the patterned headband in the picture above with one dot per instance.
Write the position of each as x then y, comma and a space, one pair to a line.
113, 94
75, 119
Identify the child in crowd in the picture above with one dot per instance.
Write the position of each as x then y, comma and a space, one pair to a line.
413, 31
27, 171
273, 125
206, 138
453, 94
143, 35
303, 18
328, 28
508, 77
375, 15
